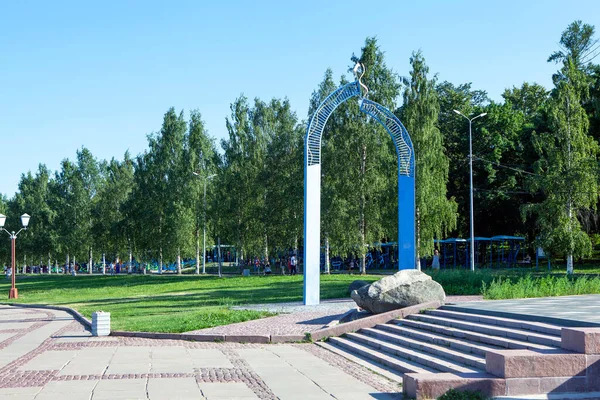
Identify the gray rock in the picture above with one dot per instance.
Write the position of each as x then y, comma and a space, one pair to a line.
356, 285
403, 289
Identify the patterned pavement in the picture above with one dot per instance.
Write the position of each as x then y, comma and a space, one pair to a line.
46, 354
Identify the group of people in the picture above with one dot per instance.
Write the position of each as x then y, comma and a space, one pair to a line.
289, 263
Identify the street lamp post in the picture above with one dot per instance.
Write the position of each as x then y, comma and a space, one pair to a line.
13, 292
471, 183
204, 223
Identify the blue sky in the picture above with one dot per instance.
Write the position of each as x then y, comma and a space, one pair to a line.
102, 74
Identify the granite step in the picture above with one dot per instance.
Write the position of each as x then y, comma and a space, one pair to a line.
466, 358
473, 336
493, 330
381, 369
379, 357
539, 327
463, 345
421, 357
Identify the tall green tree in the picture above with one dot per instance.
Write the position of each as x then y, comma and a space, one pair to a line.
201, 163
567, 169
357, 165
436, 214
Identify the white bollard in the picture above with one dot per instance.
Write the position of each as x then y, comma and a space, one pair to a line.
101, 323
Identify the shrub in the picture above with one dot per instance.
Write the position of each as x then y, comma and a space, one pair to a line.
454, 394
545, 286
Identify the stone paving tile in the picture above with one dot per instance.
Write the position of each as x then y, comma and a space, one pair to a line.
120, 389
50, 360
227, 391
173, 388
89, 361
209, 358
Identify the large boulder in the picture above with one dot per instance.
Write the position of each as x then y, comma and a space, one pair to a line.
404, 288
355, 285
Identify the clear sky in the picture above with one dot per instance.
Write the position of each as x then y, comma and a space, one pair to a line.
102, 74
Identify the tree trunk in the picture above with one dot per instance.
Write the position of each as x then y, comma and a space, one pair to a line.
49, 266
103, 264
90, 265
160, 264
130, 261
362, 222
198, 252
178, 261
327, 268
219, 255
68, 264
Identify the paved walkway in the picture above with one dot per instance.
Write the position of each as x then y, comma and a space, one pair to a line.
45, 354
566, 310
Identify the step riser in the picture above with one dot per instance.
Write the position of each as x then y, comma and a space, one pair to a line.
472, 336
371, 356
503, 322
435, 363
464, 347
398, 340
488, 330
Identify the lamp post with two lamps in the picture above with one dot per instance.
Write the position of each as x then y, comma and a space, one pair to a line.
13, 293
204, 222
471, 183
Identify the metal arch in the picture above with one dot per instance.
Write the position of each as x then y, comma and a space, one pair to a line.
314, 132
312, 183
399, 134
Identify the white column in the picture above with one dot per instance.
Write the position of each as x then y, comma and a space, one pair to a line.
312, 233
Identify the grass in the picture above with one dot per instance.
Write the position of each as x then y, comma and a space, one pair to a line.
540, 286
170, 303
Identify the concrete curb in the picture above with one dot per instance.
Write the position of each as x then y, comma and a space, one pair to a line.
369, 322
74, 313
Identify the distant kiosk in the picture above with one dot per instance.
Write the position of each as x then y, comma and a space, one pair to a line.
312, 181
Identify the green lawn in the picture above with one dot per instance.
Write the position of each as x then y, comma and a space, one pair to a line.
170, 303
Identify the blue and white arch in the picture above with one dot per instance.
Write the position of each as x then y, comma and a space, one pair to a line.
312, 184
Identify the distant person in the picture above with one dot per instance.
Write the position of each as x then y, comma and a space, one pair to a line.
267, 268
293, 265
435, 264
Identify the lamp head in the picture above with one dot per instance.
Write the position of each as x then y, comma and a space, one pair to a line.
458, 112
482, 114
2, 220
25, 220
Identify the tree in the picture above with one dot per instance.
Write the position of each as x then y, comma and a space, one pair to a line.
436, 214
201, 163
567, 169
360, 196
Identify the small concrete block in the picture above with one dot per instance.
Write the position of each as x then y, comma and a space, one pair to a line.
247, 338
100, 323
581, 340
287, 338
522, 386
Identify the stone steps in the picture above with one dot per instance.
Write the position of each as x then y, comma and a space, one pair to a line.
523, 335
539, 327
463, 345
397, 364
456, 356
442, 341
